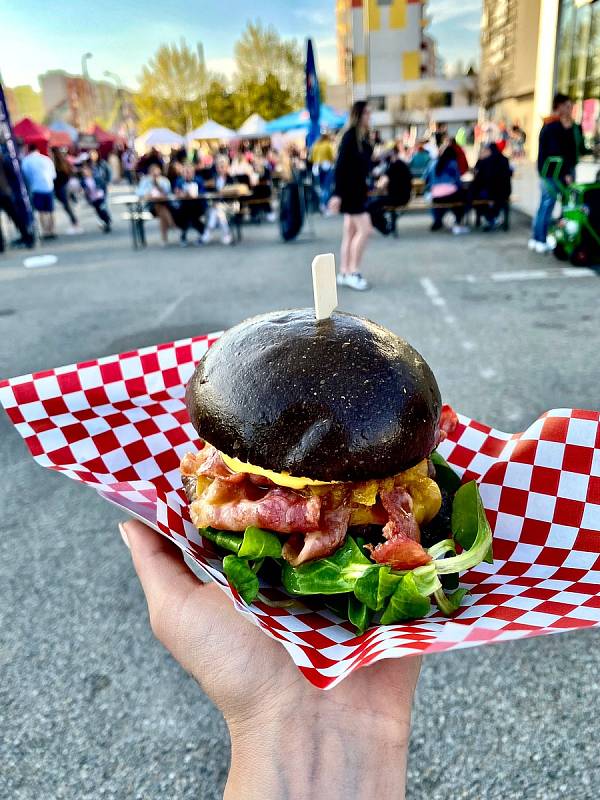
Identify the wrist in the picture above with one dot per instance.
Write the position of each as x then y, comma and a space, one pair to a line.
314, 746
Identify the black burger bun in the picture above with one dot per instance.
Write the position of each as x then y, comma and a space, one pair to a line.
340, 399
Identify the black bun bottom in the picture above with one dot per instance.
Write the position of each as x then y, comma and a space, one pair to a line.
340, 399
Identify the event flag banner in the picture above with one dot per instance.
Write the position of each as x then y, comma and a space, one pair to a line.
119, 425
13, 166
313, 96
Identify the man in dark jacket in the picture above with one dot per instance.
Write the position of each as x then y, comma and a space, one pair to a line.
561, 137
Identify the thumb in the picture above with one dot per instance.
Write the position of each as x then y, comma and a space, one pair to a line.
171, 589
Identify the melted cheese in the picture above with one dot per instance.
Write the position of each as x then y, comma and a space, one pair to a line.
280, 478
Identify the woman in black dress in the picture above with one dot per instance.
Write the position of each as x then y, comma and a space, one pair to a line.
350, 192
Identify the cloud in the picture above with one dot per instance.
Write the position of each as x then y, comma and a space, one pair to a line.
320, 19
442, 11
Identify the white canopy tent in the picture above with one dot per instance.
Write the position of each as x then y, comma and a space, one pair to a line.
253, 128
158, 137
209, 131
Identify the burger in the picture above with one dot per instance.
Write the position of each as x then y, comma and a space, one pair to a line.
318, 456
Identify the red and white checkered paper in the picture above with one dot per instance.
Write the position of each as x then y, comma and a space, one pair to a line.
119, 424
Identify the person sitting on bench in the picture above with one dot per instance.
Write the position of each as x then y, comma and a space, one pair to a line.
447, 193
491, 182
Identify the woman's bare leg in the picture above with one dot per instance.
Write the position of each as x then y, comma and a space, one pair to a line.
347, 237
363, 230
165, 221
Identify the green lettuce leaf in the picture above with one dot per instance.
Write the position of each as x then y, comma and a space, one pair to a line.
426, 579
406, 603
359, 614
258, 543
445, 476
471, 530
241, 576
375, 586
225, 539
334, 574
449, 604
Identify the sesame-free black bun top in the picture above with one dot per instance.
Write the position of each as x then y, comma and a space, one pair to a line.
340, 399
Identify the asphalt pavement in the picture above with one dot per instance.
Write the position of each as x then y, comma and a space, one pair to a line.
90, 705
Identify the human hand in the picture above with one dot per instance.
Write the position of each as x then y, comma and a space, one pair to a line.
334, 205
568, 179
289, 739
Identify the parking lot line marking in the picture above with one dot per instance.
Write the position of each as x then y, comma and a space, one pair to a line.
433, 293
170, 309
531, 275
520, 275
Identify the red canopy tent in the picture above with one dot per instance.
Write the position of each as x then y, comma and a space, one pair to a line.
32, 133
106, 141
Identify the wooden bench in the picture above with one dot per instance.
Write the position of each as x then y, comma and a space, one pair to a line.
420, 205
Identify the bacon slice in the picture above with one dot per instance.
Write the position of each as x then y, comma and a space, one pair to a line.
208, 463
447, 424
399, 550
321, 543
233, 507
399, 505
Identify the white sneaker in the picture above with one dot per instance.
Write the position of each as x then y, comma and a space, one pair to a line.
356, 281
227, 239
542, 247
460, 230
206, 237
531, 244
341, 279
74, 230
271, 216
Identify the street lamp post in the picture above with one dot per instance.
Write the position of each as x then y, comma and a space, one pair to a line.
88, 91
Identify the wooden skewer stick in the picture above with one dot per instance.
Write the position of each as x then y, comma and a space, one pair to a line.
324, 285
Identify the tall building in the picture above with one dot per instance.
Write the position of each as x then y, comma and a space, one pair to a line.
534, 48
386, 57
509, 34
81, 101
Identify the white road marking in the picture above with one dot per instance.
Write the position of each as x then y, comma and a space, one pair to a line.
433, 293
530, 275
170, 309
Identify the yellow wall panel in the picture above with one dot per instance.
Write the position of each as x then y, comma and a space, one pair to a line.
359, 69
373, 15
411, 65
398, 14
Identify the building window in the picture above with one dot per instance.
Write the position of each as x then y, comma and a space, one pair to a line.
578, 63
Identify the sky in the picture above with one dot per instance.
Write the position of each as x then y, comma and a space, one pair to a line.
122, 34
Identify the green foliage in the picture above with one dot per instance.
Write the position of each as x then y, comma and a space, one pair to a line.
26, 102
173, 88
261, 52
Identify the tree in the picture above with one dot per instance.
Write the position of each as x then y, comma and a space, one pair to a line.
173, 88
28, 103
221, 104
260, 52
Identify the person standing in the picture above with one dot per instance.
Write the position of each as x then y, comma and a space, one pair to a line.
350, 194
559, 137
39, 173
7, 204
322, 158
61, 188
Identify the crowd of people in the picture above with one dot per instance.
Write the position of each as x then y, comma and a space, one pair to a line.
180, 191
353, 172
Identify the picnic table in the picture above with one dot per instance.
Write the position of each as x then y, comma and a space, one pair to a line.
138, 214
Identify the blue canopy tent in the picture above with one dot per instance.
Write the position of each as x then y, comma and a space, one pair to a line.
300, 121
64, 127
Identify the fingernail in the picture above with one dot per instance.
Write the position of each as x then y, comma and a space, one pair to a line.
124, 535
